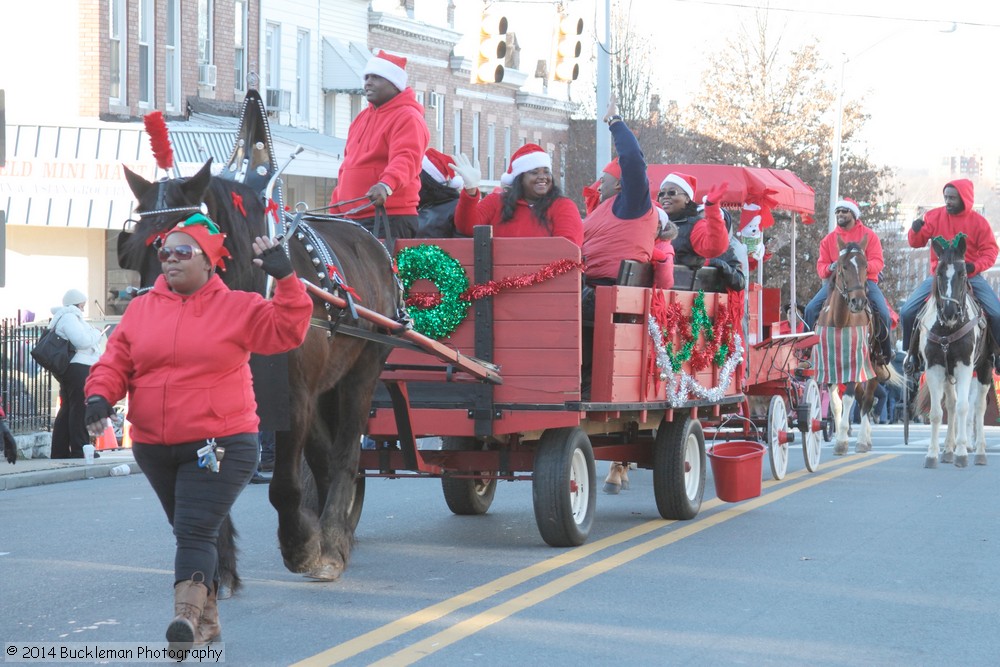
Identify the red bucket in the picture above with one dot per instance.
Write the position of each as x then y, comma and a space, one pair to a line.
737, 469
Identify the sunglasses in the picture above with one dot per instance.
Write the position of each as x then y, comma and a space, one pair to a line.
182, 252
669, 193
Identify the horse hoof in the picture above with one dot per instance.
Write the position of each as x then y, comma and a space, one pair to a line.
948, 457
325, 573
624, 484
980, 459
840, 449
612, 489
962, 461
930, 462
862, 448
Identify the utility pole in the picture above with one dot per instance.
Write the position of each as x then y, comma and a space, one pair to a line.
602, 28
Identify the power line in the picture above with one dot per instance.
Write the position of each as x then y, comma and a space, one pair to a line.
799, 10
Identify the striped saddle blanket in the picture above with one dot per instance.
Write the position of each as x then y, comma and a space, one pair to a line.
843, 355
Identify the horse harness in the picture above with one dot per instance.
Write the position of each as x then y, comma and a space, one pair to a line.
323, 257
958, 334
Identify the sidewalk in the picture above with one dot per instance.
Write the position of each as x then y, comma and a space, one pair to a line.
34, 472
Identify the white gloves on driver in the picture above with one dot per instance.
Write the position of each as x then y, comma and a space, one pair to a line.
469, 171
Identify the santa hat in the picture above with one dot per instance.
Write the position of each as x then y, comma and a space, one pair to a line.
526, 158
685, 182
850, 205
208, 237
389, 67
614, 169
438, 166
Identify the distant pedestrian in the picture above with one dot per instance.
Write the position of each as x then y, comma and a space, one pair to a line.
69, 432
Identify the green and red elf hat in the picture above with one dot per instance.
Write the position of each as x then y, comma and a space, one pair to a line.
208, 236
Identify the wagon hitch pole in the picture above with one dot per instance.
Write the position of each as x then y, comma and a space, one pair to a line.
472, 367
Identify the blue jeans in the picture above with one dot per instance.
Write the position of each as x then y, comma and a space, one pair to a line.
879, 307
986, 297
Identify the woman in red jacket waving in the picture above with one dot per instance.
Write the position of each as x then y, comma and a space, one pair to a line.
530, 205
181, 353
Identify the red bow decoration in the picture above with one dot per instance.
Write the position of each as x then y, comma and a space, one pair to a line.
272, 208
238, 203
159, 139
339, 281
764, 199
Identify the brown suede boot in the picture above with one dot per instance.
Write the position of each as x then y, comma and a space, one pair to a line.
189, 603
209, 628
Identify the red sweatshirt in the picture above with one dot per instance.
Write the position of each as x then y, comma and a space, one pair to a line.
385, 144
829, 252
980, 244
183, 360
563, 215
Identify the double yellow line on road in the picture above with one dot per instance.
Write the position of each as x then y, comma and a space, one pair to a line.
424, 647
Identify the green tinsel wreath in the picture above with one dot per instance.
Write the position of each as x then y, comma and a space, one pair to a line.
432, 263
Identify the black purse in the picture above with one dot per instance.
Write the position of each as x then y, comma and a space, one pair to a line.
53, 353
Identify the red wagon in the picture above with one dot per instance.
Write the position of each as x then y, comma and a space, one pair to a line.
502, 390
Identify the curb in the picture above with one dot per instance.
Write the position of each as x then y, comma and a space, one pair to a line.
69, 474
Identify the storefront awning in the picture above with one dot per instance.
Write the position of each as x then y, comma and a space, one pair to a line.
343, 66
71, 176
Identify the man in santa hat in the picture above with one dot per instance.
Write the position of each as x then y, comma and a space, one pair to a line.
384, 151
850, 229
439, 190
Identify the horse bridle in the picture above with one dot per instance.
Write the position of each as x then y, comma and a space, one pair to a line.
838, 281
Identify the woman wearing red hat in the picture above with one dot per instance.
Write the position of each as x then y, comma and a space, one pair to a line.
530, 205
701, 233
181, 354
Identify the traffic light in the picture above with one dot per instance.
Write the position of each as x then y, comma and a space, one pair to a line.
569, 46
492, 50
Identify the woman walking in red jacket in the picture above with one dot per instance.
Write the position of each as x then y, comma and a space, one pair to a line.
181, 354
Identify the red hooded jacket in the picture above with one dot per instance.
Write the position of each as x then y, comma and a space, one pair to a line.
981, 245
385, 144
183, 360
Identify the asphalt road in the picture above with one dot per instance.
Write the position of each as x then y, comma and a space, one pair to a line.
872, 560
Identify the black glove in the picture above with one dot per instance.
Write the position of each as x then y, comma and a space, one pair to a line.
917, 225
970, 268
98, 409
9, 443
276, 262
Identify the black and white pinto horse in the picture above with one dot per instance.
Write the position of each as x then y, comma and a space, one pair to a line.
332, 376
954, 344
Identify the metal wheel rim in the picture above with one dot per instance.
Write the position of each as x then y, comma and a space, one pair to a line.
692, 466
813, 441
777, 423
579, 483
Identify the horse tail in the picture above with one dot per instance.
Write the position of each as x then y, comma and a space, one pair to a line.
226, 545
922, 401
896, 379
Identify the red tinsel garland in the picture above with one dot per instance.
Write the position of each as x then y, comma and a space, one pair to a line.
494, 287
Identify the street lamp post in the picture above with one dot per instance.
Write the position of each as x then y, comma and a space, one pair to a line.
838, 125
